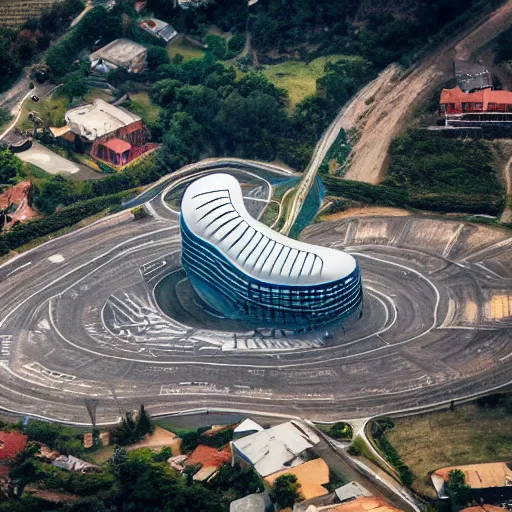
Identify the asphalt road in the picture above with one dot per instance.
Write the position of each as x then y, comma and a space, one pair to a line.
79, 320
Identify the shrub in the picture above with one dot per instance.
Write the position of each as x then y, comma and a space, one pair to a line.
286, 491
378, 429
236, 43
341, 430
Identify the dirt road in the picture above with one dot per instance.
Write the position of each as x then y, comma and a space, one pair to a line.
381, 111
506, 216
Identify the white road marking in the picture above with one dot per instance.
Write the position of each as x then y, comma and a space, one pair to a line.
19, 268
60, 278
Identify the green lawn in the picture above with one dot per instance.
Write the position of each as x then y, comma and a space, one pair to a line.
469, 434
141, 105
184, 48
298, 77
51, 110
96, 93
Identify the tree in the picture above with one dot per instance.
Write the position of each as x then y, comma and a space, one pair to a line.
144, 425
286, 491
236, 43
163, 92
10, 166
156, 56
23, 471
217, 45
139, 212
458, 490
183, 141
74, 85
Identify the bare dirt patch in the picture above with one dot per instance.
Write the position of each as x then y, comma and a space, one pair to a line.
381, 110
158, 439
366, 212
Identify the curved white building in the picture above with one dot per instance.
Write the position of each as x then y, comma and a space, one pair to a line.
245, 270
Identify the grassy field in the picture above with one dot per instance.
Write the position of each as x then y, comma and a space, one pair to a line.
96, 93
101, 455
297, 77
141, 105
469, 434
51, 110
182, 47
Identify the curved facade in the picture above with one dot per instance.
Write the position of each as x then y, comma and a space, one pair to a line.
246, 271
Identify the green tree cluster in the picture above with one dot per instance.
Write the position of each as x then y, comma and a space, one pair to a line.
444, 173
286, 491
206, 111
65, 440
97, 24
10, 166
129, 431
19, 47
458, 490
23, 233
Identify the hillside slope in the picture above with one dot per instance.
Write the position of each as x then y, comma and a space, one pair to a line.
380, 111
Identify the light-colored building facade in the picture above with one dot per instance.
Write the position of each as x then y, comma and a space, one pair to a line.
246, 271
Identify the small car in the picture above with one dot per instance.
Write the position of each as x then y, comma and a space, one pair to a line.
34, 97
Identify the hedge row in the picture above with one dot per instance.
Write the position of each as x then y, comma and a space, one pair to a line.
384, 195
23, 233
378, 432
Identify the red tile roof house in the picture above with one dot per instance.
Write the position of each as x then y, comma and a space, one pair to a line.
11, 443
485, 107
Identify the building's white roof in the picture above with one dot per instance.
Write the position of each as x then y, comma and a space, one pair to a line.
98, 119
351, 491
213, 209
277, 448
248, 425
259, 502
121, 52
159, 28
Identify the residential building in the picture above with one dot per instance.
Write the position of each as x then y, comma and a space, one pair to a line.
312, 476
258, 502
160, 29
491, 477
111, 135
247, 427
275, 449
210, 459
70, 463
480, 108
350, 492
483, 508
187, 4
364, 504
121, 53
11, 443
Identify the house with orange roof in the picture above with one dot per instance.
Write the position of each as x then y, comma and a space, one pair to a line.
11, 443
312, 476
492, 475
483, 107
483, 508
365, 504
